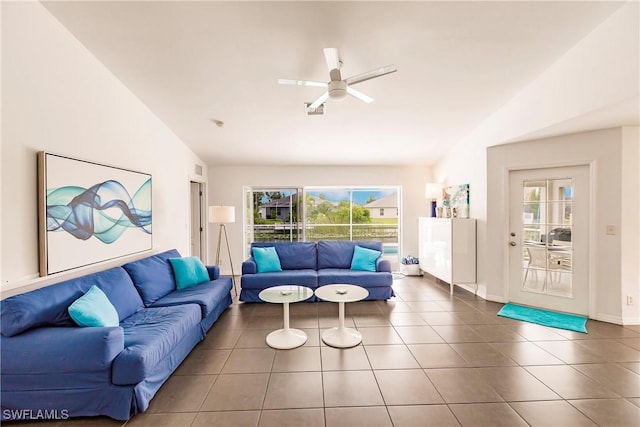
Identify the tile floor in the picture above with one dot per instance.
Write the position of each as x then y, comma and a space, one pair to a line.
427, 359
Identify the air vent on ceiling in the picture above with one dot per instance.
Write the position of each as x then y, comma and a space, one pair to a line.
319, 111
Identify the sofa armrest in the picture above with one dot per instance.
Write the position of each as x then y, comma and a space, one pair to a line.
249, 266
383, 265
214, 272
61, 350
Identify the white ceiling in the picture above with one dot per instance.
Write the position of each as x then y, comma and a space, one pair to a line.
458, 62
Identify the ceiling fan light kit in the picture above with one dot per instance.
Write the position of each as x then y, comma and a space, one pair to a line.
337, 88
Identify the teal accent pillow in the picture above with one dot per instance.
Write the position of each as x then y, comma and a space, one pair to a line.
188, 271
267, 259
364, 259
94, 309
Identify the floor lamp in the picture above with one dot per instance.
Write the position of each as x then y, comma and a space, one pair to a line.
223, 215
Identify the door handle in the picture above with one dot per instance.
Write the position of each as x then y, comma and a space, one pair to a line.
512, 243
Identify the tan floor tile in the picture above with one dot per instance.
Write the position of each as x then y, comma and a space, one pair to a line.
462, 385
290, 390
406, 319
418, 334
182, 393
616, 378
237, 392
350, 388
425, 415
609, 412
297, 359
160, 420
481, 354
437, 356
516, 384
344, 359
246, 360
227, 419
551, 414
376, 416
407, 387
457, 333
292, 418
612, 350
571, 352
377, 335
569, 383
487, 414
441, 318
203, 361
390, 357
526, 353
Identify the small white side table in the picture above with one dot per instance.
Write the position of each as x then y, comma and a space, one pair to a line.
340, 336
286, 338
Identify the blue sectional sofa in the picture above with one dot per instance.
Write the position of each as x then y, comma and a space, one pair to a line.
314, 264
51, 364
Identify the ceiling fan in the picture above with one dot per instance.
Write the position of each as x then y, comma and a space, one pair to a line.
337, 88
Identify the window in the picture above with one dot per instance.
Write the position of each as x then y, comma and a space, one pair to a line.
324, 213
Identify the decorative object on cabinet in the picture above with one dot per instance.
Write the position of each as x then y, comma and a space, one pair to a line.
447, 249
223, 215
432, 191
90, 212
457, 196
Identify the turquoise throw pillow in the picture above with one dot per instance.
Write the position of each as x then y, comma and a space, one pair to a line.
267, 259
188, 271
364, 259
94, 309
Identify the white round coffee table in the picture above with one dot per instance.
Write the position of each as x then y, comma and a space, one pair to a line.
340, 336
286, 338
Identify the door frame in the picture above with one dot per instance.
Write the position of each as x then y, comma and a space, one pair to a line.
591, 251
203, 218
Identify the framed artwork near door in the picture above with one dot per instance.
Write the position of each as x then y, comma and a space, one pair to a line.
89, 212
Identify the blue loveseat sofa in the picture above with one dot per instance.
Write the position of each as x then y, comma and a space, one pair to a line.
52, 366
314, 264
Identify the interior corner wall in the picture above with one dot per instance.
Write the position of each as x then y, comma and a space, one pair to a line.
630, 225
227, 182
57, 97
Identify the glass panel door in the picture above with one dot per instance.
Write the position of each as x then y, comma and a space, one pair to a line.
549, 238
547, 251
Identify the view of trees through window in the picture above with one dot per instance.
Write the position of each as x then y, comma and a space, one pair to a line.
314, 213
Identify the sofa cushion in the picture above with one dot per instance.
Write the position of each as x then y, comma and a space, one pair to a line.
149, 336
188, 271
266, 259
48, 306
338, 254
366, 279
364, 259
288, 277
207, 295
294, 255
94, 309
153, 276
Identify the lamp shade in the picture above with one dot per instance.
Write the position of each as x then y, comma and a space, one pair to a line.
222, 214
433, 190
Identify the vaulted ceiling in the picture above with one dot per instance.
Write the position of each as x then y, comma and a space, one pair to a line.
193, 63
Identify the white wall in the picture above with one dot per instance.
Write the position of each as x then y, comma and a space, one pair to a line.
600, 71
630, 232
57, 97
226, 183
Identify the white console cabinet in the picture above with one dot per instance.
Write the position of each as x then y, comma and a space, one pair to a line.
448, 249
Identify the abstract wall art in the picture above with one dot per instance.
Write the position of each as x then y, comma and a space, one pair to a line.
90, 212
457, 196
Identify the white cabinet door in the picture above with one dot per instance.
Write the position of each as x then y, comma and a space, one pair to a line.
448, 249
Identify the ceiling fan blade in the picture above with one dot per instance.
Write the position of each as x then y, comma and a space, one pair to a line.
301, 83
371, 74
332, 58
318, 101
361, 96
